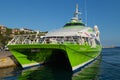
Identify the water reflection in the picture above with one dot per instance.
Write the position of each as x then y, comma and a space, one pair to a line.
56, 68
91, 72
46, 73
57, 71
10, 73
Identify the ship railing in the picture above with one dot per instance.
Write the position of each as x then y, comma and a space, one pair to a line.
36, 39
25, 39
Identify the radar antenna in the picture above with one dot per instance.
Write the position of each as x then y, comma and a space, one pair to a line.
76, 15
86, 13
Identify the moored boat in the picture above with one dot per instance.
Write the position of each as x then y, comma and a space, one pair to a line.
79, 44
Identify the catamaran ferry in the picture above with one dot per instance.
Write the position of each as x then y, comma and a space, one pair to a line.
75, 41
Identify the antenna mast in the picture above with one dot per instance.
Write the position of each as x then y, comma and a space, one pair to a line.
76, 14
85, 13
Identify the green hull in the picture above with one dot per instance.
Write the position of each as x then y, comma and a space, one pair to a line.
31, 54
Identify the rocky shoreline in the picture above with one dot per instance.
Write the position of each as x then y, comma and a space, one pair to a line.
6, 59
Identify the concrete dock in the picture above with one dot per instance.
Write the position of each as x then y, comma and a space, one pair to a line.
6, 59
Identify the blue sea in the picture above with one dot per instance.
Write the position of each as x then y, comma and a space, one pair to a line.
107, 67
110, 65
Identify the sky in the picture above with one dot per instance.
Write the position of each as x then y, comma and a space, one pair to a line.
47, 15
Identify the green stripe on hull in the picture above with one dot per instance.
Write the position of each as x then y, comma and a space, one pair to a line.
22, 59
34, 53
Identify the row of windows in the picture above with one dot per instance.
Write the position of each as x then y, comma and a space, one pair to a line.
70, 40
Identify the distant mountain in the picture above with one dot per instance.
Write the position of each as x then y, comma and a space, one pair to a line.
108, 46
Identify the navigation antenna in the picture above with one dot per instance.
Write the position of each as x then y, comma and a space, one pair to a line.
85, 13
76, 15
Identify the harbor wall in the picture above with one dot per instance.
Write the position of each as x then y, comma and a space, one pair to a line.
6, 59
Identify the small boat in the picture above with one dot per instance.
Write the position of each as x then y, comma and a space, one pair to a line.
75, 41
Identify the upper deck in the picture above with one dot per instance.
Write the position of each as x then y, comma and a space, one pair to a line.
73, 32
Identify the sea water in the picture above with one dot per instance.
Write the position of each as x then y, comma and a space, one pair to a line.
110, 66
107, 67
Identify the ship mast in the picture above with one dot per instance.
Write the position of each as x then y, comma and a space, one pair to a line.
76, 15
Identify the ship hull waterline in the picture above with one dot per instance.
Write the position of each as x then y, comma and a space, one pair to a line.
35, 54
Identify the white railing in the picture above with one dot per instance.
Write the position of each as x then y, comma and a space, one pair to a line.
35, 39
25, 39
